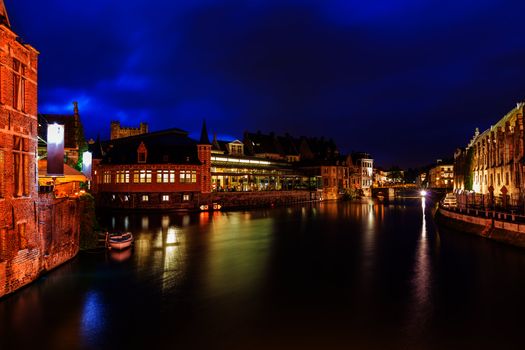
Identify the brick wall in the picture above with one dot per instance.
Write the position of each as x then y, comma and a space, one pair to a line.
25, 219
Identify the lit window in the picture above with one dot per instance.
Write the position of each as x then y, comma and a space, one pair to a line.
126, 198
107, 177
188, 176
145, 198
165, 176
122, 176
185, 197
144, 176
165, 198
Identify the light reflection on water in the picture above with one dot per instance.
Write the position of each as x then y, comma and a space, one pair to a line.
93, 318
364, 274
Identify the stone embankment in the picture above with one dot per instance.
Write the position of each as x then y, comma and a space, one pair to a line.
23, 260
502, 227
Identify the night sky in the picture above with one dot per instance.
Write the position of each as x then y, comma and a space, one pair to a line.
407, 81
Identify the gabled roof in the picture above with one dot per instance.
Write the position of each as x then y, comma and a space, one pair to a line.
171, 146
4, 18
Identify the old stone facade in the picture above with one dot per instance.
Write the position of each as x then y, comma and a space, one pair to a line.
118, 131
37, 232
19, 241
492, 163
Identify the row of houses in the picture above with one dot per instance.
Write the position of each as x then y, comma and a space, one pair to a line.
141, 169
168, 168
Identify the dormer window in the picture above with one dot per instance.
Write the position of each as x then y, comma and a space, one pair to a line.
142, 153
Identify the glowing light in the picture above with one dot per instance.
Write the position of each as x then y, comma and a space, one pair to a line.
55, 134
423, 193
172, 236
87, 160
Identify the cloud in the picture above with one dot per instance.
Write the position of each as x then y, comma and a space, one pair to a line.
379, 76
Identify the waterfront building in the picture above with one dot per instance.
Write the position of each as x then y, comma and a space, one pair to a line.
364, 177
492, 161
37, 231
117, 131
441, 175
74, 140
164, 169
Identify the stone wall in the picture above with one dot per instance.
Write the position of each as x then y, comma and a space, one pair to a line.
55, 242
501, 227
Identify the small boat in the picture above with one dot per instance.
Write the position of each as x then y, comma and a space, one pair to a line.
119, 241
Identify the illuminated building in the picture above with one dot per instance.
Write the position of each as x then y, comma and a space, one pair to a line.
364, 178
492, 161
117, 131
441, 176
164, 169
37, 231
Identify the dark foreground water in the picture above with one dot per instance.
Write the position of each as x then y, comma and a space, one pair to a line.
342, 275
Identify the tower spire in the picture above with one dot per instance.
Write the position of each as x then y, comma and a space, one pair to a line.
4, 18
205, 140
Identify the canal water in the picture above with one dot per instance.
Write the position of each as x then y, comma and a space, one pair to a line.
330, 275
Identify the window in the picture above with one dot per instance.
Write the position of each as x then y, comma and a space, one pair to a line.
188, 176
165, 198
142, 157
126, 198
122, 177
185, 197
18, 85
107, 177
144, 176
165, 176
145, 198
21, 166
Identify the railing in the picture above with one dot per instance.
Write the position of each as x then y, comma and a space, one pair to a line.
484, 206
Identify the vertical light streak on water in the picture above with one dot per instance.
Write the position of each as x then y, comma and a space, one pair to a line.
421, 306
174, 250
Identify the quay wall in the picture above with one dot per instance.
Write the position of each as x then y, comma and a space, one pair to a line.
500, 227
55, 241
227, 200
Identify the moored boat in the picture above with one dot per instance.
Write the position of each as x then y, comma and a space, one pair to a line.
119, 241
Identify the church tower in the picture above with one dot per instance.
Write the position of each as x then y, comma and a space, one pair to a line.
204, 151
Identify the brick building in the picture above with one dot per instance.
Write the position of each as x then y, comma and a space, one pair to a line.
117, 131
18, 144
158, 170
37, 231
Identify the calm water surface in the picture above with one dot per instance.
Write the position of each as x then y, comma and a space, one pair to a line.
345, 275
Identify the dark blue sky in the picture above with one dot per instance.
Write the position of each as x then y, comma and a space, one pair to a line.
405, 80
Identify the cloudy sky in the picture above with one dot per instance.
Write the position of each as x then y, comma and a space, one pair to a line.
406, 80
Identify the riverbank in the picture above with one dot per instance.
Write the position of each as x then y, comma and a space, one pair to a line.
226, 200
505, 228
